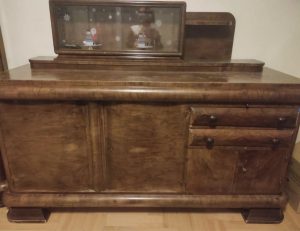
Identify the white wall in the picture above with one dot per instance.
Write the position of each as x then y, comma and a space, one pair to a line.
267, 30
26, 30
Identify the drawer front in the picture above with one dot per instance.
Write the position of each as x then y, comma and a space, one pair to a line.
244, 117
240, 137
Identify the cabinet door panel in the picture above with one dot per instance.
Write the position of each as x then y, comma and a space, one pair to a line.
45, 146
211, 171
145, 147
261, 171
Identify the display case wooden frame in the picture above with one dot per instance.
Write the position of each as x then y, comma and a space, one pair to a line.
119, 3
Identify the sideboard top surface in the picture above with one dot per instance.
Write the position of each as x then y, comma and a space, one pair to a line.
266, 87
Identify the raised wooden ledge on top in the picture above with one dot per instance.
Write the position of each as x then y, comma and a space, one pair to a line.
138, 64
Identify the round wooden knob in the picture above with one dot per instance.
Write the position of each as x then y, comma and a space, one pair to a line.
212, 118
210, 142
275, 141
281, 119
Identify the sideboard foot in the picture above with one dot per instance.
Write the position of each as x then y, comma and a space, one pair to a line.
262, 216
28, 215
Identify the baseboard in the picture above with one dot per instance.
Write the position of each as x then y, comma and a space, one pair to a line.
294, 185
294, 197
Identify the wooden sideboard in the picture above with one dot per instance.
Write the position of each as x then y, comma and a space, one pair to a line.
92, 138
198, 131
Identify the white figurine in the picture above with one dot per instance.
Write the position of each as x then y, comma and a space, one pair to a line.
88, 39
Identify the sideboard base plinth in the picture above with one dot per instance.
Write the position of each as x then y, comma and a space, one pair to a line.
97, 200
28, 215
263, 216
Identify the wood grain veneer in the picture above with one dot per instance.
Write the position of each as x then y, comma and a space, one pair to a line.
244, 137
244, 117
268, 87
61, 156
149, 151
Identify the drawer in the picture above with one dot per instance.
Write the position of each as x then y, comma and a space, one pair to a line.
244, 117
240, 137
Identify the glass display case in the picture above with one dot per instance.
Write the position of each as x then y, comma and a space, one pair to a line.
118, 28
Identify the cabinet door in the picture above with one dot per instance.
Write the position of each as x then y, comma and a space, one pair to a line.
235, 170
146, 146
211, 171
261, 171
45, 146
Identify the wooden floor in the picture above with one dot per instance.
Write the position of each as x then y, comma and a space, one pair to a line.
204, 220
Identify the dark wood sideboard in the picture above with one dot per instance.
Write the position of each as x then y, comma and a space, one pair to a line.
204, 131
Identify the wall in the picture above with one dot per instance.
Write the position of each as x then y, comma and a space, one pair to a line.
266, 30
26, 30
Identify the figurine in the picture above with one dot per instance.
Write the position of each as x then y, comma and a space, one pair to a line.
91, 39
88, 39
143, 42
94, 35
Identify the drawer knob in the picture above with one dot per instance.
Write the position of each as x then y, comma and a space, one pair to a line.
210, 142
275, 141
212, 119
281, 119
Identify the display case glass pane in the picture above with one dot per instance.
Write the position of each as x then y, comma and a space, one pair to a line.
119, 28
